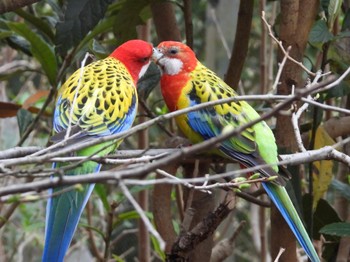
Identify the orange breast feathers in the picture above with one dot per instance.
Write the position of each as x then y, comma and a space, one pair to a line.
172, 87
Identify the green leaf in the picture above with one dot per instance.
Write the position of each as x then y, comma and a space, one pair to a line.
40, 24
5, 34
320, 34
98, 50
343, 34
117, 258
130, 14
323, 215
337, 229
102, 194
342, 188
102, 27
346, 21
339, 53
80, 17
128, 215
19, 43
342, 89
40, 49
334, 8
24, 119
95, 229
157, 248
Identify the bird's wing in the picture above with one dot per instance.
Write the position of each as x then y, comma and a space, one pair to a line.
212, 121
98, 100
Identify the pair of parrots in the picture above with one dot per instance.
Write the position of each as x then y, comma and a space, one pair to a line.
100, 99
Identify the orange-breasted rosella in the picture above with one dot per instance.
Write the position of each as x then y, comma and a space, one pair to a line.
185, 82
97, 100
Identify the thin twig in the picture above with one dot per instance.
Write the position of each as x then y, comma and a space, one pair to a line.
297, 115
220, 32
183, 152
114, 177
205, 187
144, 218
38, 116
279, 254
32, 197
109, 229
282, 48
206, 144
279, 72
72, 106
92, 243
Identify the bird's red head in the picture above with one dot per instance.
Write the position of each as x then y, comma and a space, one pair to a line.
176, 61
174, 57
135, 55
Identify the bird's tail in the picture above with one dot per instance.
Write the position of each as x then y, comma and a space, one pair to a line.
63, 213
280, 197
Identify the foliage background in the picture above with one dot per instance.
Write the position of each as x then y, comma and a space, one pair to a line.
43, 43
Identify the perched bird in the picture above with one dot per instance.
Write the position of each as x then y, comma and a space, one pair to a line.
97, 100
185, 82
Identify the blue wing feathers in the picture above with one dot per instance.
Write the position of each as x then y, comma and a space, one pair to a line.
244, 147
200, 125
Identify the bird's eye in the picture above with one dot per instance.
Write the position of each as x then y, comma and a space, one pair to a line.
144, 59
173, 51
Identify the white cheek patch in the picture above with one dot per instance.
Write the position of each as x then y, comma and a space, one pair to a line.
171, 66
144, 69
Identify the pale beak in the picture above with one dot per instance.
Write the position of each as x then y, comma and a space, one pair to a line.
157, 55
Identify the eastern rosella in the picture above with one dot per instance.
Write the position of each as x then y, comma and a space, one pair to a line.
185, 82
97, 100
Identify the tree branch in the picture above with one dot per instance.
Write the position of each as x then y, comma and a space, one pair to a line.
10, 5
188, 241
240, 46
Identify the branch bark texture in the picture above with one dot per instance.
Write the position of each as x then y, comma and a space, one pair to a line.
11, 5
240, 46
297, 17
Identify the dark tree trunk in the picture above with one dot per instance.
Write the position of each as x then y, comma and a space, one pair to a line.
297, 17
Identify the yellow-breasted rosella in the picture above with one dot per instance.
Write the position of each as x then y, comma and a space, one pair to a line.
97, 100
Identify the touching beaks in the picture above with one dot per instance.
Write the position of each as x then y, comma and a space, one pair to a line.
157, 55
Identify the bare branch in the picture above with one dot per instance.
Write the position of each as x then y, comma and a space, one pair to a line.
126, 174
18, 151
144, 218
297, 115
282, 48
199, 147
279, 254
225, 247
206, 227
10, 5
133, 171
279, 72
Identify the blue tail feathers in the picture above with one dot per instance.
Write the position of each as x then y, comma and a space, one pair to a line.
62, 217
279, 196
